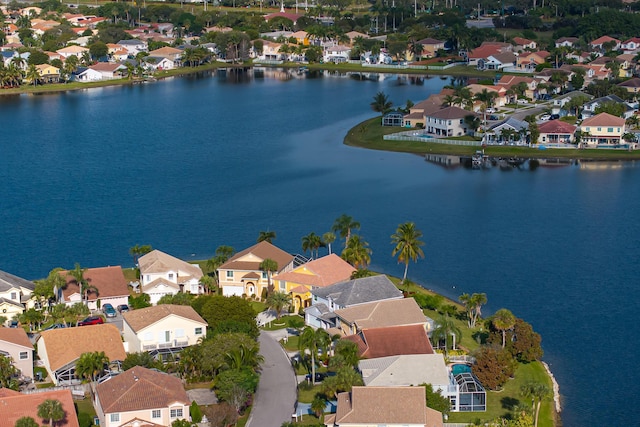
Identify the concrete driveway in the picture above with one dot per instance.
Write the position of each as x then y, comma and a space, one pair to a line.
275, 399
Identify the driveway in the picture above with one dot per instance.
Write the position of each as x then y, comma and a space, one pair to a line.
275, 399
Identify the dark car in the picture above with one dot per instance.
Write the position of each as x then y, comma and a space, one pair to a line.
91, 320
13, 324
109, 311
555, 116
123, 308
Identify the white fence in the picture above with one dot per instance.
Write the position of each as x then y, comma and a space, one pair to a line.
422, 137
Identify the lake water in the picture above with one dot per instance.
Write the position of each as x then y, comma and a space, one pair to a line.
192, 163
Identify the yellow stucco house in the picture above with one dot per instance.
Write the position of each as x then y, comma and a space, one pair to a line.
318, 273
601, 130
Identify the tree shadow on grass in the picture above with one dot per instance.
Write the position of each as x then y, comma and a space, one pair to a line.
509, 403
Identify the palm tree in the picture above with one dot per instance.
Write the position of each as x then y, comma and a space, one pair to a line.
357, 252
503, 320
266, 236
473, 304
318, 404
537, 392
222, 255
381, 103
278, 301
26, 422
78, 274
90, 365
313, 340
343, 226
269, 266
311, 242
33, 74
138, 250
51, 409
486, 98
407, 245
327, 239
444, 328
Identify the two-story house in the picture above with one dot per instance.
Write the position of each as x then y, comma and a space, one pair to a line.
522, 44
603, 129
325, 301
161, 329
17, 405
15, 344
380, 314
15, 292
162, 274
449, 121
314, 274
556, 132
242, 275
141, 397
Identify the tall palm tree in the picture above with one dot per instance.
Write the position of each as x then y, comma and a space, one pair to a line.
343, 225
313, 340
78, 274
278, 301
26, 422
408, 245
486, 98
269, 266
33, 74
444, 328
222, 255
503, 320
381, 103
138, 250
473, 304
90, 365
327, 239
537, 392
266, 236
51, 409
357, 252
312, 243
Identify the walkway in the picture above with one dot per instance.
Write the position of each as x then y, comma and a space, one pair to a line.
275, 399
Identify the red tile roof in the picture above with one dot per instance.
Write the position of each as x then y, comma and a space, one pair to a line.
16, 406
392, 341
109, 281
255, 254
603, 119
557, 127
324, 271
139, 389
602, 40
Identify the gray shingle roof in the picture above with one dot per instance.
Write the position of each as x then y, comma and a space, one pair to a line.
8, 281
360, 291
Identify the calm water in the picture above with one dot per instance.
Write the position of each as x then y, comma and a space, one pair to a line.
193, 163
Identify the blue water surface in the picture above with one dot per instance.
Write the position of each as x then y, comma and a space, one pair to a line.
192, 163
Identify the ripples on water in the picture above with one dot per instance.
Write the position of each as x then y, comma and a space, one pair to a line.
192, 163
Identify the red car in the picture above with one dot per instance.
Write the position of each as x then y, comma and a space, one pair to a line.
91, 320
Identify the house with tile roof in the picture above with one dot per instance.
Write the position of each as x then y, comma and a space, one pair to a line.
162, 274
134, 46
161, 329
509, 81
348, 294
430, 46
109, 281
17, 405
168, 52
603, 130
522, 44
384, 406
567, 41
317, 273
380, 314
109, 70
76, 51
15, 294
601, 41
391, 341
448, 121
15, 344
556, 132
631, 45
241, 274
415, 117
141, 397
486, 49
60, 349
500, 95
632, 85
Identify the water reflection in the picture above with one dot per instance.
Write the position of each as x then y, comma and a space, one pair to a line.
507, 164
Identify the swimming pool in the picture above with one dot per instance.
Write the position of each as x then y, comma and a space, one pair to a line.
459, 368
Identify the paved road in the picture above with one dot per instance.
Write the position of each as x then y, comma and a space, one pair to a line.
275, 398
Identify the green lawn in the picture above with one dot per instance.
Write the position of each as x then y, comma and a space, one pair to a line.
85, 406
258, 306
284, 322
498, 403
306, 396
291, 344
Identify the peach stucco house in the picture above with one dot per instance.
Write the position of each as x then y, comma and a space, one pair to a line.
15, 344
141, 397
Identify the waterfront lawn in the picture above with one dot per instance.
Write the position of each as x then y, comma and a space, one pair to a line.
369, 133
499, 403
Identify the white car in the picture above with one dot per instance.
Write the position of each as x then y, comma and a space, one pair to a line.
491, 110
523, 101
545, 117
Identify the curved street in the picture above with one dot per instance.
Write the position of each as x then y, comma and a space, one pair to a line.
275, 398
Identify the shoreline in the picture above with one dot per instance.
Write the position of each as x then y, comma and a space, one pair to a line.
556, 388
369, 135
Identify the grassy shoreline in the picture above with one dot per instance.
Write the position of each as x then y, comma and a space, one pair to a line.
368, 134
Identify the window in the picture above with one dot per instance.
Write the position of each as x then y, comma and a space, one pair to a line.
14, 295
198, 331
283, 285
229, 275
599, 129
24, 355
176, 413
115, 418
264, 275
148, 278
171, 276
155, 413
610, 130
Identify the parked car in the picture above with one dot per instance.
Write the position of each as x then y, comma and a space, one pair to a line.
554, 116
13, 324
91, 320
55, 326
123, 308
523, 101
109, 311
320, 376
491, 110
545, 117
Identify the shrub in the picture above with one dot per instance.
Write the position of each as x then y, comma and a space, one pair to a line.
494, 366
196, 413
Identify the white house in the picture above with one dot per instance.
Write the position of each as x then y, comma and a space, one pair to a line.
15, 293
162, 274
162, 328
134, 46
336, 54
